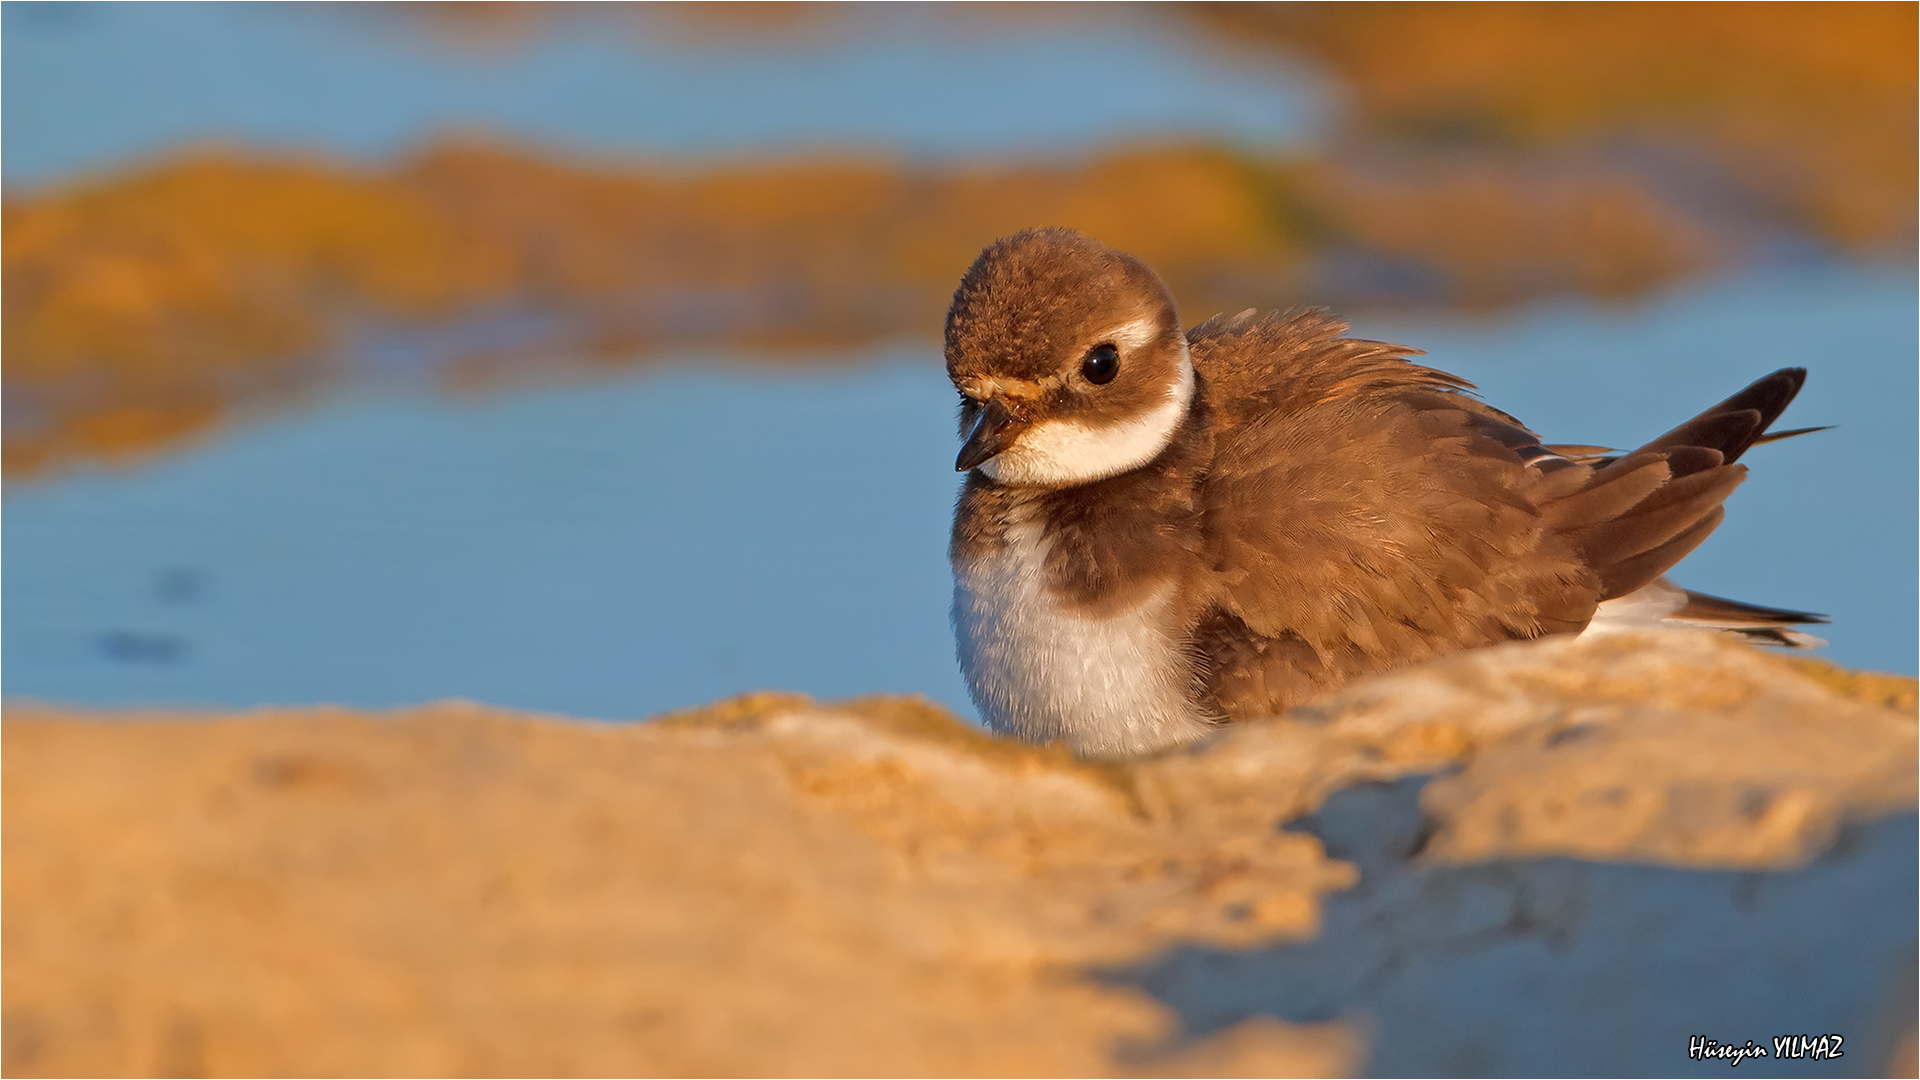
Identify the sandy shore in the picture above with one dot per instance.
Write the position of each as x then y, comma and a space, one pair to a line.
1494, 864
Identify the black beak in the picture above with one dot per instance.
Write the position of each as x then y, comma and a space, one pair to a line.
992, 434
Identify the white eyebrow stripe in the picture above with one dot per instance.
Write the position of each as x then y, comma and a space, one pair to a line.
1132, 335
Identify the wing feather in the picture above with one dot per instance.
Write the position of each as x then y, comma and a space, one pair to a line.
1363, 511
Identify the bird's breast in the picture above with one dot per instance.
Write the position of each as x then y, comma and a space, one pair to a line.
1114, 683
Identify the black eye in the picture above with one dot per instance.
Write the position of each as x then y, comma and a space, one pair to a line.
1102, 363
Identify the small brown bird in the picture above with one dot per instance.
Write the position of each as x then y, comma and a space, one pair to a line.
1161, 532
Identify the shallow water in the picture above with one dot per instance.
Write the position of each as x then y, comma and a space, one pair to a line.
654, 541
94, 86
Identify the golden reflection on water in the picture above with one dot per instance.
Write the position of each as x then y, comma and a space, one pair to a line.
1494, 153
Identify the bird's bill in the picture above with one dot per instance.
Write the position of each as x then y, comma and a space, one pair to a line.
993, 434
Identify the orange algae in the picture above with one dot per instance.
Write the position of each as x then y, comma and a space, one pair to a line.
214, 278
1486, 149
1804, 113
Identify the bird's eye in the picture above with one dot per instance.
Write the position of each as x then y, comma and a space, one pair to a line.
1102, 363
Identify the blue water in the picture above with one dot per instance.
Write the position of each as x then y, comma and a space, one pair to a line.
607, 550
97, 85
618, 548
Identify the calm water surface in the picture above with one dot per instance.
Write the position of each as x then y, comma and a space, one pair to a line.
93, 86
623, 547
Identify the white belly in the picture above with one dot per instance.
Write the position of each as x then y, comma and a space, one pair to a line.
1106, 686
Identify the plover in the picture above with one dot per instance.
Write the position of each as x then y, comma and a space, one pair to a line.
1163, 531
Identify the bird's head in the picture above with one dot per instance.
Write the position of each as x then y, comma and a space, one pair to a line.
1069, 359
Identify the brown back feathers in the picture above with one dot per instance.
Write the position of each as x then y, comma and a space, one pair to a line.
1364, 512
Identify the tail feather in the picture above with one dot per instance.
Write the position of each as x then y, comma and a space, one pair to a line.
1602, 456
1738, 614
1642, 512
1764, 625
1726, 427
1776, 436
1661, 603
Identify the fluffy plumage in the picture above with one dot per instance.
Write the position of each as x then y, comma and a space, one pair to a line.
1324, 508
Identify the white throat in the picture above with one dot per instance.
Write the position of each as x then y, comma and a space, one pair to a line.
1057, 453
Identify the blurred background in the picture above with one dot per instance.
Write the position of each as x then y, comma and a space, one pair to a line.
586, 359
